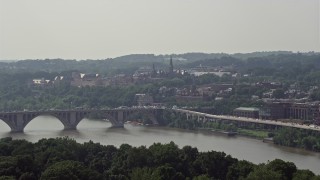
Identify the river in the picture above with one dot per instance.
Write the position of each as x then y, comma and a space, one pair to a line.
99, 131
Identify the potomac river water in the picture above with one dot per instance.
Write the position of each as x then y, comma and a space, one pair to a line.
99, 131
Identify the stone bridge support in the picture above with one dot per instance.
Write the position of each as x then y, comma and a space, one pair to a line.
17, 121
71, 119
117, 119
154, 115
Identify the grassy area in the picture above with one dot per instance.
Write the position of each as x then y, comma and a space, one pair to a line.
253, 133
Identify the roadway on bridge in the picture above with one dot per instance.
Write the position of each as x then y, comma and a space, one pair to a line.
250, 120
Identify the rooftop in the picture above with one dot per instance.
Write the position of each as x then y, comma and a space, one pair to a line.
246, 109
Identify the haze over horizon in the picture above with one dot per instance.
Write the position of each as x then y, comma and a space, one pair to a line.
79, 29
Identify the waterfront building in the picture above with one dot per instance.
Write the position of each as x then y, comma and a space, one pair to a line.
248, 112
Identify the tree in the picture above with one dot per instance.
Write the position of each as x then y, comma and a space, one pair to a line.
143, 173
309, 142
69, 170
262, 173
214, 164
167, 172
167, 153
240, 170
285, 169
303, 175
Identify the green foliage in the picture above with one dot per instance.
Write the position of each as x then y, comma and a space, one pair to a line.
262, 173
285, 169
144, 173
7, 178
202, 177
69, 170
309, 140
240, 170
63, 158
214, 164
303, 175
253, 133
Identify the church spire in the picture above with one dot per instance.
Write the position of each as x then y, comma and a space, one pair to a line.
171, 65
154, 72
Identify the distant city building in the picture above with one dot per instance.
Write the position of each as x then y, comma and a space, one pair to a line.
82, 80
201, 70
41, 82
121, 80
291, 110
269, 85
275, 110
144, 100
144, 71
303, 111
248, 112
58, 80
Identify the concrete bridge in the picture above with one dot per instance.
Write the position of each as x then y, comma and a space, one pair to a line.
241, 120
17, 121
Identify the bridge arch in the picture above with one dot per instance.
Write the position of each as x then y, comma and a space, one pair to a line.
44, 122
4, 125
69, 120
18, 121
112, 116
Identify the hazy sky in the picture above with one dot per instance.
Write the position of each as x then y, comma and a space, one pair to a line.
98, 29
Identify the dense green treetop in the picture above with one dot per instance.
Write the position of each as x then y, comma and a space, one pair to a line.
63, 158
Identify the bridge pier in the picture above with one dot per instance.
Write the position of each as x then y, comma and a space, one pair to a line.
70, 120
117, 125
70, 127
17, 122
116, 118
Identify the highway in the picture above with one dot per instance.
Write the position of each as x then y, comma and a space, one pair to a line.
250, 120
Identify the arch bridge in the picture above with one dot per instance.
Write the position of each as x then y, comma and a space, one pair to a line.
17, 121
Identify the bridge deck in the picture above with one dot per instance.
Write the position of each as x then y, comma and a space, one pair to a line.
250, 120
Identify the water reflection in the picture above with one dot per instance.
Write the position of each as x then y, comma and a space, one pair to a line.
71, 133
118, 130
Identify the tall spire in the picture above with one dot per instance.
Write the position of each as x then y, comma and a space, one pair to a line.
154, 72
171, 65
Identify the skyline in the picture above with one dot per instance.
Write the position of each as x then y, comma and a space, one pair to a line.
77, 29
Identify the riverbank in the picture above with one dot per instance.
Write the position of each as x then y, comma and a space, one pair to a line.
285, 136
256, 134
